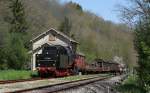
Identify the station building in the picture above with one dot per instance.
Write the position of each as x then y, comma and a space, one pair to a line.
50, 37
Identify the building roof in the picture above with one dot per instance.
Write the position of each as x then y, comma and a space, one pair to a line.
40, 47
46, 44
54, 32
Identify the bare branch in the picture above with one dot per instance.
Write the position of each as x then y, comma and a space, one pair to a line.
139, 9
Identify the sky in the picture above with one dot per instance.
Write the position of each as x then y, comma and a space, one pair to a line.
106, 9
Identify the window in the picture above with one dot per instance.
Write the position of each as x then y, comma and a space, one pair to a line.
52, 37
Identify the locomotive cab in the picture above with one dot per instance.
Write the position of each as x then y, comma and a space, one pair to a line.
65, 57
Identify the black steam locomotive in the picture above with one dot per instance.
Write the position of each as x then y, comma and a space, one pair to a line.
56, 60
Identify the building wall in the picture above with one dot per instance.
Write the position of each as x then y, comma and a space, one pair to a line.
39, 43
45, 39
33, 59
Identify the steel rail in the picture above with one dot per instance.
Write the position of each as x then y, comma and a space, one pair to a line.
19, 80
61, 86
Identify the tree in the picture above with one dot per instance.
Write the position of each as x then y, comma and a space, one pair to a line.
15, 52
79, 7
139, 15
3, 60
65, 26
76, 6
18, 23
142, 45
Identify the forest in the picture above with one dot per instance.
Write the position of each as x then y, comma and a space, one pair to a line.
98, 38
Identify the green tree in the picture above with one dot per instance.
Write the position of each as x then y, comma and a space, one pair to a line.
79, 7
3, 60
65, 26
139, 14
18, 23
142, 45
16, 53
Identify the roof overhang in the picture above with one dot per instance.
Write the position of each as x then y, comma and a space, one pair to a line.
54, 32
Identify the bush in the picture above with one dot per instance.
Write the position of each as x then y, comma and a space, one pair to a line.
131, 85
15, 53
34, 74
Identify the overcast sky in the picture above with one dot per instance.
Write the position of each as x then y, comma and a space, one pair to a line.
104, 8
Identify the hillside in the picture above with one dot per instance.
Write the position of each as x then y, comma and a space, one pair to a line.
97, 37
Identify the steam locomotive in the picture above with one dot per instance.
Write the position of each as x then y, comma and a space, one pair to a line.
60, 60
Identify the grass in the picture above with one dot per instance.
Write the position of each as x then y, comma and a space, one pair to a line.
24, 74
15, 74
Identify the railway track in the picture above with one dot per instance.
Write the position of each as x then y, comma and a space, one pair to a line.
19, 80
61, 86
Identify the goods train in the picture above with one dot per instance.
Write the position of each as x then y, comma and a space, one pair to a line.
59, 60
